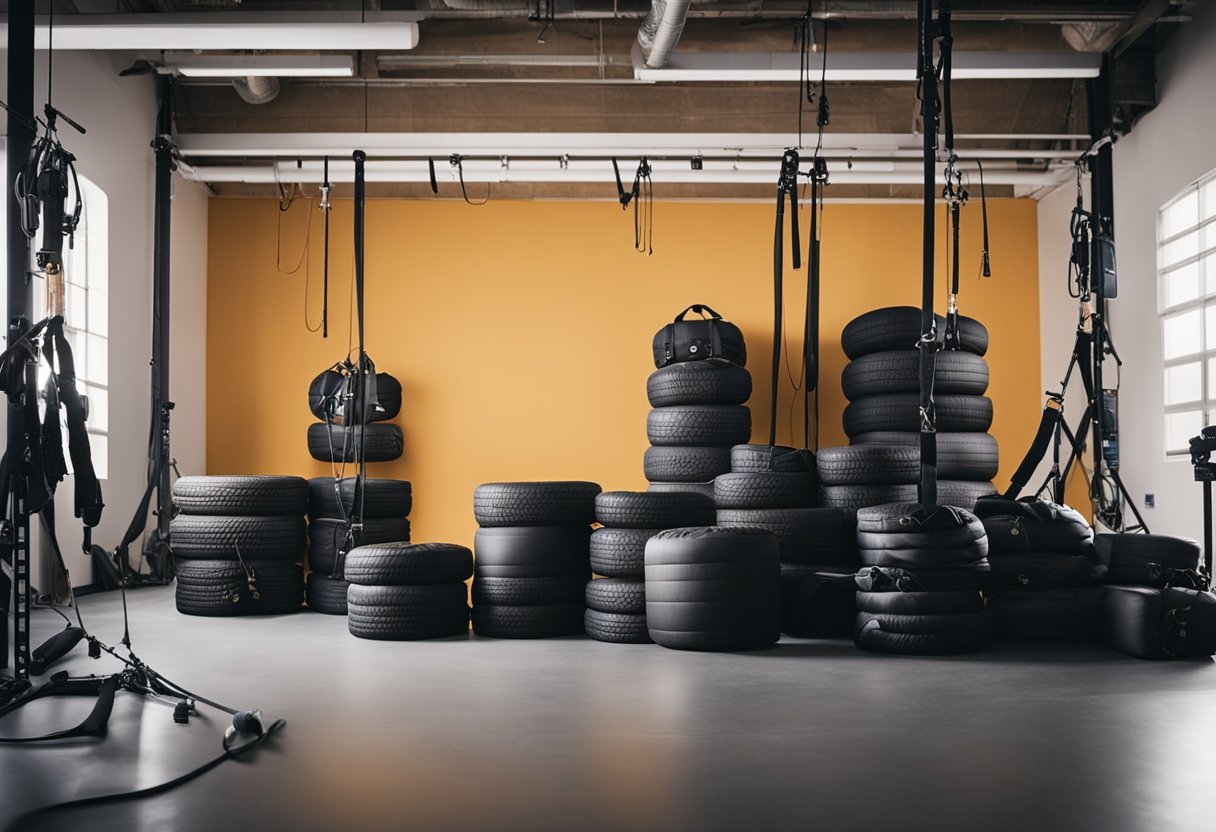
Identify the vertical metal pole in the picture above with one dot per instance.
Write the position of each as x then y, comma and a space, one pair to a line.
1101, 167
928, 436
161, 404
20, 303
1207, 526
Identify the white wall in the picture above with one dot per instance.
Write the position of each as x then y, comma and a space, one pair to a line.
120, 116
1168, 149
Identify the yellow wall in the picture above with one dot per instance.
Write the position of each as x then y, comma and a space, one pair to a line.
521, 331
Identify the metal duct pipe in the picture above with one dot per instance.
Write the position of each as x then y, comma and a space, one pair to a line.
661, 30
257, 89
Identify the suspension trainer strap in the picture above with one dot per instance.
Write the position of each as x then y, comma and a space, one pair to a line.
361, 379
985, 264
787, 185
928, 341
810, 336
1048, 424
89, 502
325, 187
94, 725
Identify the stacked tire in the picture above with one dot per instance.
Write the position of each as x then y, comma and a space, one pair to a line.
775, 488
699, 412
238, 545
380, 441
921, 581
385, 505
616, 601
1042, 587
408, 591
532, 558
881, 464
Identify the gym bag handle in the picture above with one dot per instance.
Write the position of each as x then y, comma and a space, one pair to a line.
700, 309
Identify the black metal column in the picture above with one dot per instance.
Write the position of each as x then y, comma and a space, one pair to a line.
1102, 199
161, 404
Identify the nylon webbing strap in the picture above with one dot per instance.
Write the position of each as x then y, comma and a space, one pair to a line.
787, 185
928, 340
1038, 450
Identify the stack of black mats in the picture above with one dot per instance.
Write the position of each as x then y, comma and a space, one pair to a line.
698, 414
238, 544
882, 382
532, 557
381, 441
408, 591
1042, 584
616, 601
386, 505
775, 488
712, 588
921, 580
1156, 603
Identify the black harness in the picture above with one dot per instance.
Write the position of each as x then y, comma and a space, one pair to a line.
641, 194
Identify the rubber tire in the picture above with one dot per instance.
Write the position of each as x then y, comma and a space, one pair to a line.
213, 537
616, 628
960, 456
620, 553
408, 613
768, 490
886, 537
1055, 617
713, 425
402, 564
898, 371
778, 459
616, 596
383, 442
827, 611
221, 587
388, 394
523, 592
381, 498
245, 496
806, 535
704, 489
535, 503
959, 493
974, 577
653, 510
699, 382
899, 328
684, 463
532, 551
325, 594
901, 412
326, 536
923, 604
553, 621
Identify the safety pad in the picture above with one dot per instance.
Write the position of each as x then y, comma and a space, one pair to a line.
1055, 616
1148, 559
1034, 572
817, 601
1148, 623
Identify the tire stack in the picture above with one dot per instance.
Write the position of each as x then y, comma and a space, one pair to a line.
920, 588
776, 488
616, 602
882, 382
699, 413
238, 543
532, 558
337, 443
386, 507
408, 591
1044, 571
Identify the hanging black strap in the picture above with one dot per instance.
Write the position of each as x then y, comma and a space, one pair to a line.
430, 166
457, 161
88, 497
325, 208
928, 344
985, 264
787, 185
1050, 419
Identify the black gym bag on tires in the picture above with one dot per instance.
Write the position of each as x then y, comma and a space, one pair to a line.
699, 340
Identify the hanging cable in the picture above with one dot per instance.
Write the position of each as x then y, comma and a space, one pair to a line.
457, 161
985, 261
641, 194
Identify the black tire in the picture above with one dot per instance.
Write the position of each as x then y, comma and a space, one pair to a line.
523, 592
699, 382
899, 328
535, 503
533, 551
616, 596
815, 606
1058, 617
925, 604
551, 621
402, 564
388, 394
1037, 573
873, 637
974, 577
325, 594
653, 509
928, 624
380, 498
897, 535
901, 412
246, 496
620, 553
898, 371
336, 443
616, 628
717, 425
326, 537
779, 459
959, 493
806, 535
704, 489
869, 464
407, 613
228, 588
766, 491
213, 537
685, 464
960, 456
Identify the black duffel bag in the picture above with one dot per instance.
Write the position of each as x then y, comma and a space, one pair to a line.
1155, 560
331, 395
699, 340
1168, 623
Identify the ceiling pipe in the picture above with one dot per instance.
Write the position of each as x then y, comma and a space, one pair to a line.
257, 89
661, 29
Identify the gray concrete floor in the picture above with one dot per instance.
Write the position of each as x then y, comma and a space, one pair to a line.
571, 734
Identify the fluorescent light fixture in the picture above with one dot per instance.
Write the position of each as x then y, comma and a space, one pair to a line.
863, 66
225, 31
245, 66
